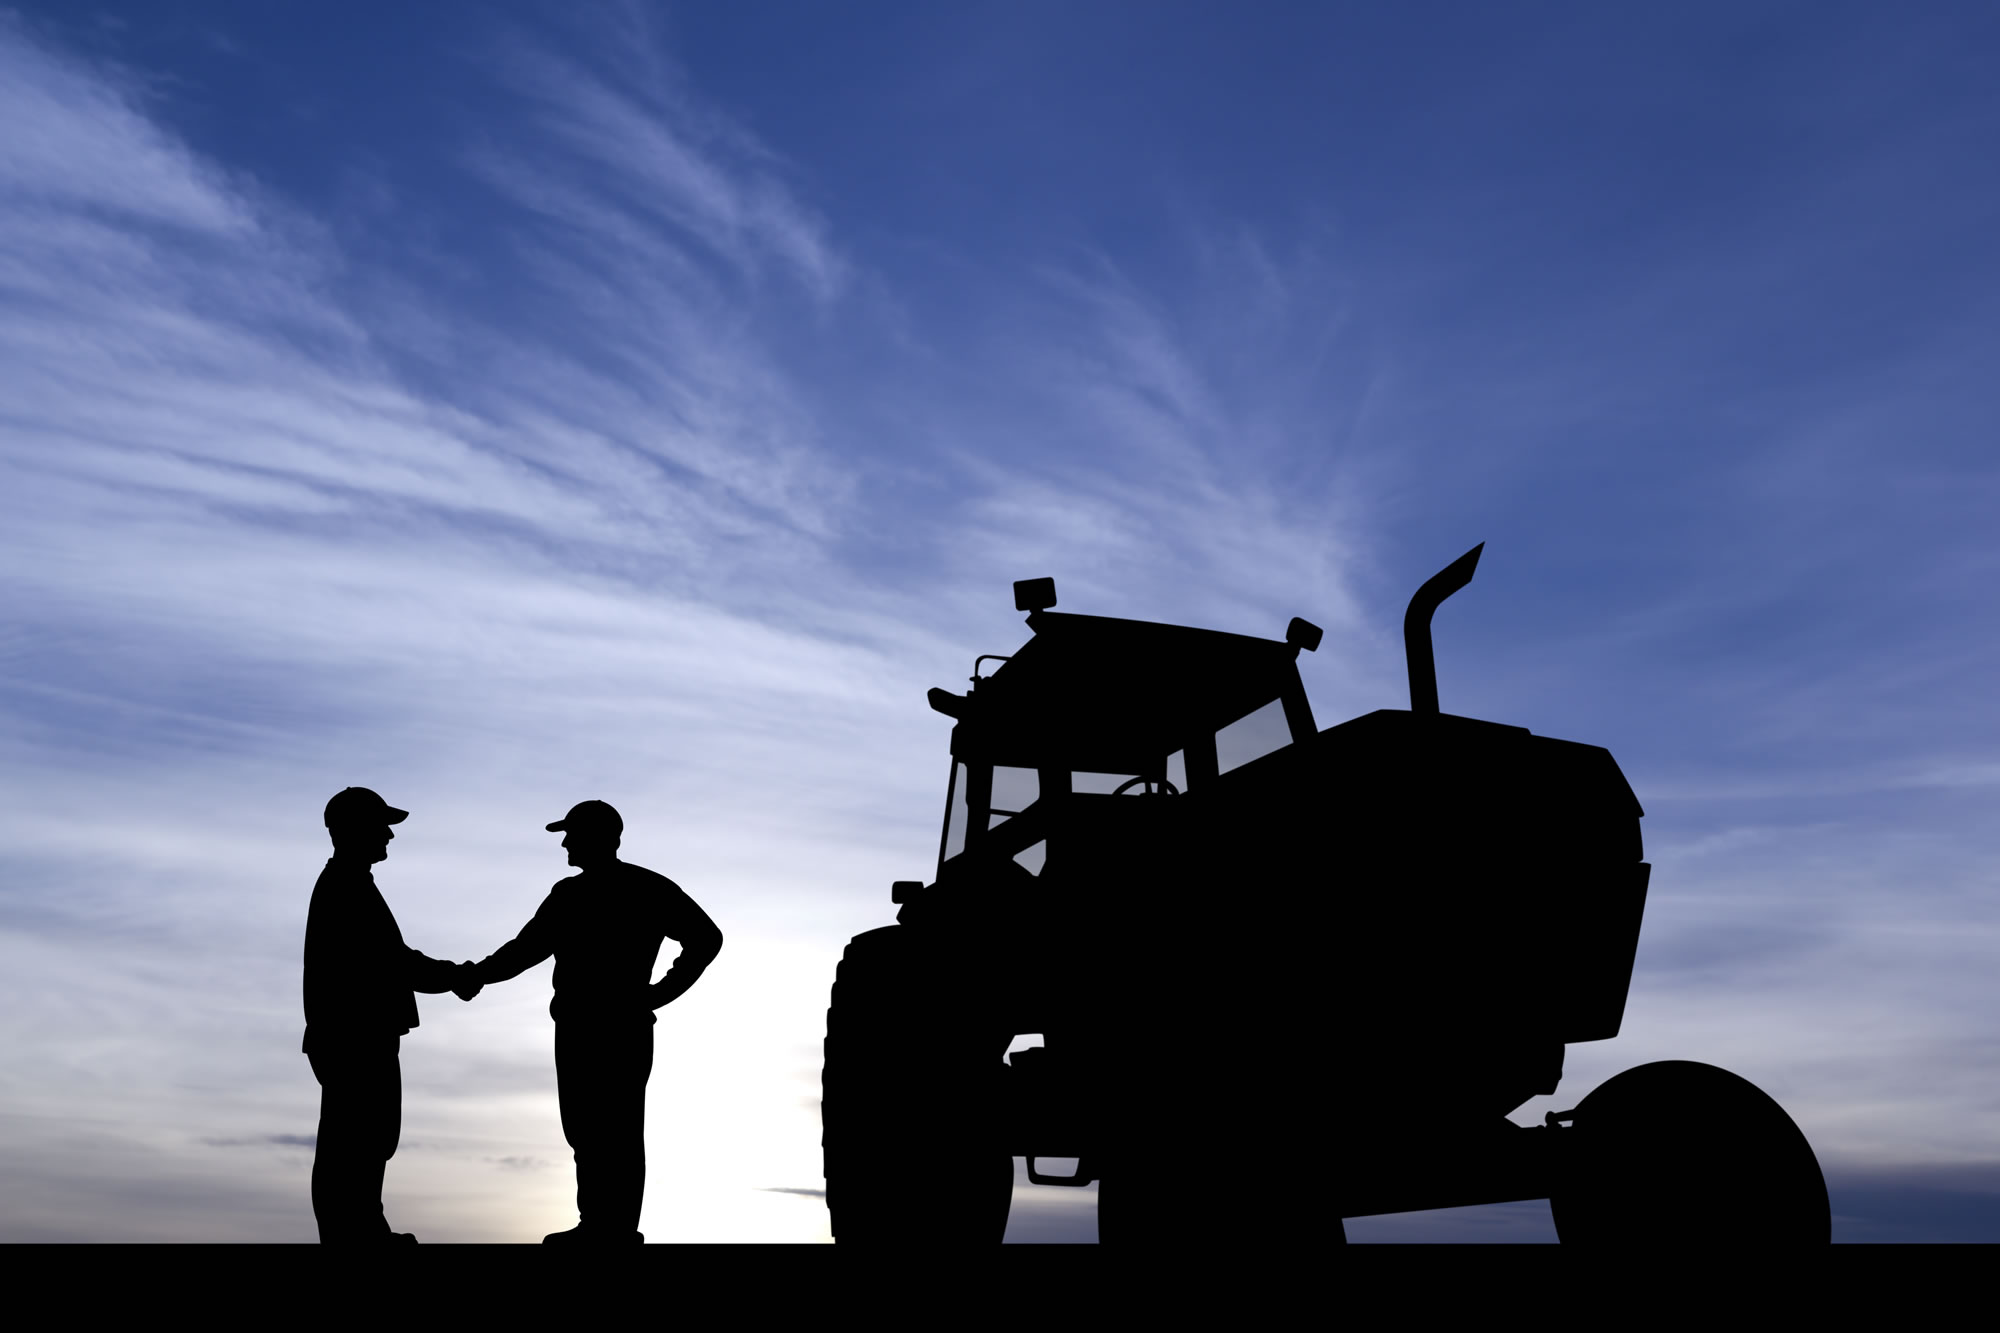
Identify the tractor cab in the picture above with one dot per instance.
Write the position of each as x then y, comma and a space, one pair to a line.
1093, 707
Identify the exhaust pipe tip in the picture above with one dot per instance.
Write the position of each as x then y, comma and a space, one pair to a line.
1417, 628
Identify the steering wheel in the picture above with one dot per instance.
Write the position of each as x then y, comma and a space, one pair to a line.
1165, 788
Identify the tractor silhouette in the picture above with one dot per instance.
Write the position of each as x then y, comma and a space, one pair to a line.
1312, 986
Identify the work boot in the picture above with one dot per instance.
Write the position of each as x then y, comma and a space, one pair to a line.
578, 1234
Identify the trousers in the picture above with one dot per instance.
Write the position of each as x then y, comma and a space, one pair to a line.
601, 1072
360, 1123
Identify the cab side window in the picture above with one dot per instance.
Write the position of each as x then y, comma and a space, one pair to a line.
1252, 737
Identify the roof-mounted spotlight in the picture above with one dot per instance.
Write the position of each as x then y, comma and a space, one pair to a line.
944, 701
1034, 594
1303, 634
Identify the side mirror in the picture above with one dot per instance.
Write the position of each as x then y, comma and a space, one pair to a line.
905, 889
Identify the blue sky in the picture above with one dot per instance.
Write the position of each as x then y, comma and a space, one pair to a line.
500, 407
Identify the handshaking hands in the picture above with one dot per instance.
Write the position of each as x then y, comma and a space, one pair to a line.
469, 983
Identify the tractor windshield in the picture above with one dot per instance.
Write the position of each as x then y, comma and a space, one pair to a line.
1015, 789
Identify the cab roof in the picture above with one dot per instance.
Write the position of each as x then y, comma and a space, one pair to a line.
1100, 695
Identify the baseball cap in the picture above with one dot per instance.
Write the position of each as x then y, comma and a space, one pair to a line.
590, 815
358, 805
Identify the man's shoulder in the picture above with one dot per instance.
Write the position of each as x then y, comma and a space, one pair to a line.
668, 904
639, 877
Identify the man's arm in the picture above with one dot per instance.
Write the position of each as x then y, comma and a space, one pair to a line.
700, 942
535, 943
434, 976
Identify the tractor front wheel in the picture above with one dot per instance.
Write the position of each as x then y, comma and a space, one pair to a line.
909, 1096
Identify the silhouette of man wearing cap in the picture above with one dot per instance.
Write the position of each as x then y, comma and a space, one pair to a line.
604, 926
358, 984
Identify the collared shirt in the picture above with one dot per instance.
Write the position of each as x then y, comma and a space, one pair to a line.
604, 926
359, 973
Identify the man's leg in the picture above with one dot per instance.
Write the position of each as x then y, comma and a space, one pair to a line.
601, 1075
360, 1122
628, 1064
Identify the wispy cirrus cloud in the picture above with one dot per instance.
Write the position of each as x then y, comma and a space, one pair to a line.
657, 158
267, 1140
80, 143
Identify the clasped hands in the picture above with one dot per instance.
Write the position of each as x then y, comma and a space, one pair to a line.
470, 985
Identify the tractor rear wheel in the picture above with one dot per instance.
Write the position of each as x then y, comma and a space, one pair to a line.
1679, 1154
910, 1092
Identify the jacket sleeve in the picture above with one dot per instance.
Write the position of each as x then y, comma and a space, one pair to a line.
359, 971
430, 975
700, 942
535, 943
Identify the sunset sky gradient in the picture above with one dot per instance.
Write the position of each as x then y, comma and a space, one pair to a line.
501, 406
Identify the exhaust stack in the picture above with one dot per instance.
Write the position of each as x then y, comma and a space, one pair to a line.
1417, 628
